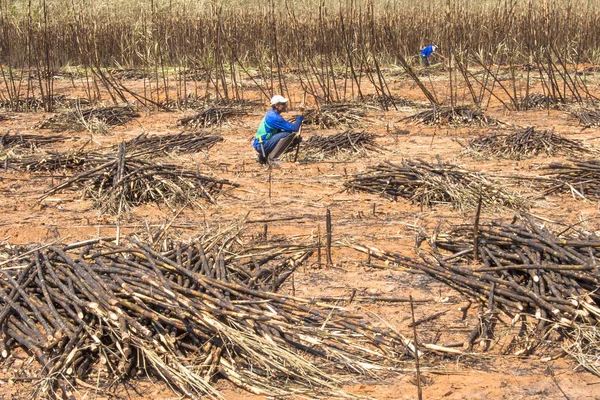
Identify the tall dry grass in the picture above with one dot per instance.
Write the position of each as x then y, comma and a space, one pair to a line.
333, 47
128, 32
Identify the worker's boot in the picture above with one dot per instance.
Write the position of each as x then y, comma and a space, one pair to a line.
261, 159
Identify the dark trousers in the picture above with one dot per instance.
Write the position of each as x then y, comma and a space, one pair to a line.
277, 145
424, 61
284, 145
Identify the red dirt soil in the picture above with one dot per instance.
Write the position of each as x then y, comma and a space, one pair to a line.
305, 190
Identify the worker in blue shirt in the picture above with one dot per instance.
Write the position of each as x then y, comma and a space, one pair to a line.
426, 53
275, 135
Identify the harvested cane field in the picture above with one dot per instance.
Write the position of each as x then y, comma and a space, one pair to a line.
435, 235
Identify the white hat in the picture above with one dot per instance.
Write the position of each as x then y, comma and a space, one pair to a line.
277, 99
434, 47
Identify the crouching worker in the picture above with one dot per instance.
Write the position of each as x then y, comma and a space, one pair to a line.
275, 135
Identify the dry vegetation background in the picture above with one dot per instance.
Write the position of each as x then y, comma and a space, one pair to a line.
320, 43
145, 253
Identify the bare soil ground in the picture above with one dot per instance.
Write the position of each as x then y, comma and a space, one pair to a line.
301, 192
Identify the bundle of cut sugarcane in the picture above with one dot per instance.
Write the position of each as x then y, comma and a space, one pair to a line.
387, 101
129, 74
83, 119
533, 268
580, 178
536, 100
519, 268
526, 143
22, 104
27, 140
56, 161
461, 115
349, 141
529, 270
94, 312
122, 182
195, 74
199, 103
180, 143
335, 115
213, 115
190, 102
587, 117
430, 184
25, 104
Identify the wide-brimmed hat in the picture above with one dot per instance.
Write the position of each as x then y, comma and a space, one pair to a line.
277, 99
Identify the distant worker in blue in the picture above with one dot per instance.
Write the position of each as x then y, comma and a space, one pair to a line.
426, 53
275, 135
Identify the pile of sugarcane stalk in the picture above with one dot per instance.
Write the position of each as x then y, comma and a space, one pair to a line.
522, 269
28, 104
534, 269
199, 103
587, 116
195, 74
96, 313
386, 102
537, 100
22, 104
82, 119
430, 184
213, 115
27, 140
122, 182
189, 102
580, 178
349, 141
143, 145
129, 74
55, 161
461, 115
526, 143
179, 143
527, 269
335, 115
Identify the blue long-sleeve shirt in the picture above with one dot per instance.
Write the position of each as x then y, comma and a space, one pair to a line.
274, 123
426, 52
